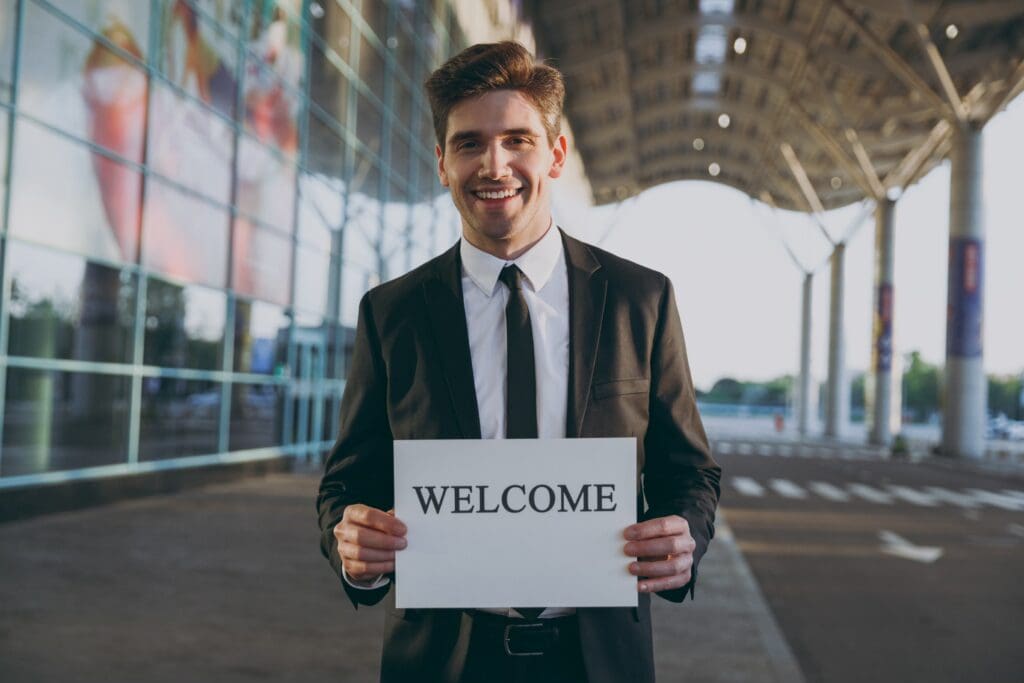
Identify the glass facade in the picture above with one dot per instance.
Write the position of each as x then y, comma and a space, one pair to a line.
194, 195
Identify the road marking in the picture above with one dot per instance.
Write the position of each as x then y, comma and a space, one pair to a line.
787, 489
953, 497
747, 486
870, 494
826, 490
897, 546
998, 500
744, 449
912, 496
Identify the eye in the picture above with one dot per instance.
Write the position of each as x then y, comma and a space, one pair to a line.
467, 145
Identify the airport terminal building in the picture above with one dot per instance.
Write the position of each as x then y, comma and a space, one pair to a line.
195, 195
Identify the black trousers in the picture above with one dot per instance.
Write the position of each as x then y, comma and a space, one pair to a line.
488, 661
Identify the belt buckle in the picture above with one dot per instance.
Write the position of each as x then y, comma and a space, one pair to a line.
510, 629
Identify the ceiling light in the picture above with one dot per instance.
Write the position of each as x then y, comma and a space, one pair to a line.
316, 10
893, 194
698, 144
740, 45
714, 169
836, 182
952, 31
724, 120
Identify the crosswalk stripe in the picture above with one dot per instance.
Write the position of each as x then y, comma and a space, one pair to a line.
952, 497
998, 500
870, 494
747, 486
787, 489
912, 496
826, 490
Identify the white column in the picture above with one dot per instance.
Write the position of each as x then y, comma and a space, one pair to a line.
804, 389
880, 400
965, 391
838, 398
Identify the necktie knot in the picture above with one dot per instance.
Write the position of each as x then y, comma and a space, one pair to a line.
512, 277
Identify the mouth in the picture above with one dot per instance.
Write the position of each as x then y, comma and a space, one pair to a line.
497, 195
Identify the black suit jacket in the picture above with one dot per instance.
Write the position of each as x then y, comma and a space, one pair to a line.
411, 377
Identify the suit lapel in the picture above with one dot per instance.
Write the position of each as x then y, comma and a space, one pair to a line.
587, 291
443, 299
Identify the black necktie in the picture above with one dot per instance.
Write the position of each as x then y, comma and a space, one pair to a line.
521, 392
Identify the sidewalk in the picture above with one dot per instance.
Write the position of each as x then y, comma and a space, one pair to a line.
226, 584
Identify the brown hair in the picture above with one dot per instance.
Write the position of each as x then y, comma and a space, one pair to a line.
486, 67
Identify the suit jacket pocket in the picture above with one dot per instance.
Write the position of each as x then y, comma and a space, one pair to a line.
621, 387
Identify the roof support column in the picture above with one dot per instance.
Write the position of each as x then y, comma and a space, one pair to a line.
837, 396
964, 393
804, 389
879, 394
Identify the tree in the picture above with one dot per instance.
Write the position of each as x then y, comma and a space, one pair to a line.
921, 388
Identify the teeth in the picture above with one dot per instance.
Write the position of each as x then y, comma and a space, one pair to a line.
503, 194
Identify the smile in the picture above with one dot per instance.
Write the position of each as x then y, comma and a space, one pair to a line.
498, 194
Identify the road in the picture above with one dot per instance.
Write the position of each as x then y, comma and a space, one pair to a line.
884, 571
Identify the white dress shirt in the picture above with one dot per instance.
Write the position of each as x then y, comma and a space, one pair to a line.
546, 290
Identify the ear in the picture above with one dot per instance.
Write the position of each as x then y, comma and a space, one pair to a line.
440, 166
560, 151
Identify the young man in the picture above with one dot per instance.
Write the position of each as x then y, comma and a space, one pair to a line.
518, 331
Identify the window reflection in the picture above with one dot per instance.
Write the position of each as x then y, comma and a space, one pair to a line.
184, 326
129, 16
183, 236
63, 306
266, 184
63, 420
261, 337
256, 411
262, 262
7, 15
199, 56
178, 418
311, 278
326, 153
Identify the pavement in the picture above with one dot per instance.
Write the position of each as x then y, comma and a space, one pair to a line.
226, 583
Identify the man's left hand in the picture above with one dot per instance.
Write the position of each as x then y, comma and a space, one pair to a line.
664, 548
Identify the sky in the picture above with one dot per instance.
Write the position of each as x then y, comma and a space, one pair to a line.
739, 292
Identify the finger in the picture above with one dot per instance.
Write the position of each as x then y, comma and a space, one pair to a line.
368, 538
359, 570
666, 545
662, 567
659, 526
663, 584
367, 516
351, 551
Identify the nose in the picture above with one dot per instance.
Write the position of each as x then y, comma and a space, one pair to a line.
494, 162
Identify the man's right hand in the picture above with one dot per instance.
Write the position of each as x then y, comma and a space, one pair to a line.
367, 541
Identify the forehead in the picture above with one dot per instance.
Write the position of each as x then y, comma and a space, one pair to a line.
494, 112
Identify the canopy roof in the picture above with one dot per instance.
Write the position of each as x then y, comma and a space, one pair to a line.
806, 104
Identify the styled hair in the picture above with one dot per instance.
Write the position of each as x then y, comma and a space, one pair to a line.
486, 67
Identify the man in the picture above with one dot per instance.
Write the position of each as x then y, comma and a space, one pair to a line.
517, 331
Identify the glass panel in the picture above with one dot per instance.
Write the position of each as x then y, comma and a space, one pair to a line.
8, 14
326, 151
63, 420
63, 306
184, 326
400, 150
189, 144
261, 337
375, 13
274, 73
3, 165
262, 262
355, 281
403, 105
271, 109
328, 86
321, 211
405, 48
119, 20
178, 418
311, 278
183, 236
199, 56
98, 209
266, 184
371, 66
369, 123
78, 84
256, 411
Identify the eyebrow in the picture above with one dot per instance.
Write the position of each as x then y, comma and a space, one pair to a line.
475, 134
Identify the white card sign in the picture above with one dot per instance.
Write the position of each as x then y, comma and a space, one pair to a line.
518, 522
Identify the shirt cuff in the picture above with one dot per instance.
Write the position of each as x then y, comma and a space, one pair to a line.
367, 585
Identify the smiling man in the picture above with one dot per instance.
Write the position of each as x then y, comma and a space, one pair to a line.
518, 331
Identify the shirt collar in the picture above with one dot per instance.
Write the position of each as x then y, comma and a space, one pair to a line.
537, 263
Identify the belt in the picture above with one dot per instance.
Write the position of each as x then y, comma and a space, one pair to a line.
523, 638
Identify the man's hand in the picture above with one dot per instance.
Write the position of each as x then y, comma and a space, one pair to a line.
664, 548
367, 541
